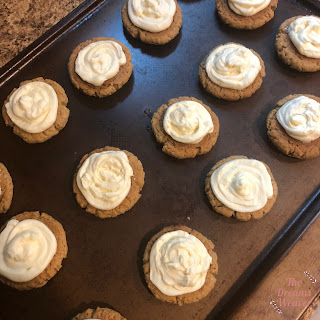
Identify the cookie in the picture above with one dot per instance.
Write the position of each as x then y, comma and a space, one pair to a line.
230, 93
221, 208
178, 149
234, 20
285, 143
157, 38
210, 278
133, 195
55, 264
99, 314
6, 189
107, 87
60, 122
289, 54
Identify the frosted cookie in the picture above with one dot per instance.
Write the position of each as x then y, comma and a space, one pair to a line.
37, 110
241, 187
100, 66
297, 43
6, 189
32, 245
108, 182
186, 127
153, 21
246, 14
185, 259
99, 314
294, 126
232, 72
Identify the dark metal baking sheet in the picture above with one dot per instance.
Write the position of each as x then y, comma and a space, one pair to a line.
103, 267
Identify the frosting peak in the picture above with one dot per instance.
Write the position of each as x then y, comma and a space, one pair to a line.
187, 122
304, 32
26, 249
248, 7
243, 185
300, 118
33, 107
105, 179
179, 263
99, 61
232, 66
152, 15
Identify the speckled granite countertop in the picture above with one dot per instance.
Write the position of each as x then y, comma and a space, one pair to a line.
22, 22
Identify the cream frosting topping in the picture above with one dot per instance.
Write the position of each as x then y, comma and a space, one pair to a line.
99, 61
26, 249
179, 263
105, 179
300, 118
33, 107
243, 185
232, 66
152, 15
248, 7
304, 33
187, 121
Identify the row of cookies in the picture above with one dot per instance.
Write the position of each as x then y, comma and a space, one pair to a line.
296, 43
108, 182
159, 22
179, 263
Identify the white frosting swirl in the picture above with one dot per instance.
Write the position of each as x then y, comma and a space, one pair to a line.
105, 179
152, 15
33, 107
304, 32
300, 118
26, 249
248, 7
187, 122
243, 185
232, 66
99, 61
179, 263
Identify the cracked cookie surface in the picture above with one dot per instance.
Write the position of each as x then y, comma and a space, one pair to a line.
99, 313
6, 189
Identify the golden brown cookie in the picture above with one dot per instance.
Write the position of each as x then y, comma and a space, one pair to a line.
109, 86
183, 150
187, 297
99, 313
227, 93
61, 121
6, 189
227, 212
137, 182
234, 20
56, 262
286, 144
288, 52
157, 38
